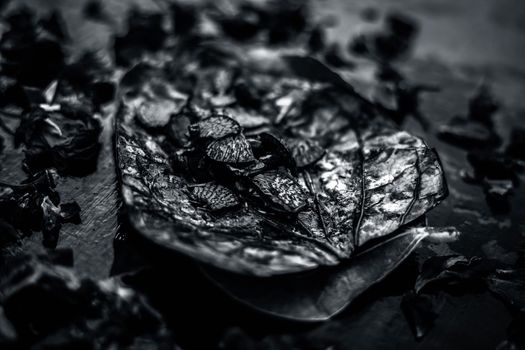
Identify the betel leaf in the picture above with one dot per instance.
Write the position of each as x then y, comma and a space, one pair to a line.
321, 294
371, 180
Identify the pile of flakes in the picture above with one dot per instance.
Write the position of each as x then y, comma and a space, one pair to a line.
494, 169
47, 108
44, 305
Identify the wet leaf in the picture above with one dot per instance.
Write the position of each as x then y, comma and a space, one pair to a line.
321, 294
366, 178
447, 270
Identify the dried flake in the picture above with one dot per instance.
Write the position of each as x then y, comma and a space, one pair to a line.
282, 190
305, 151
233, 149
215, 127
215, 197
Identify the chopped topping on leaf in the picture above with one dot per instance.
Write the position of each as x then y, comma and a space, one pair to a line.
232, 149
213, 196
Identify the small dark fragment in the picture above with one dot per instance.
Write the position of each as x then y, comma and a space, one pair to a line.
407, 97
476, 130
66, 139
94, 10
55, 25
497, 193
184, 17
21, 205
103, 92
232, 149
177, 129
516, 146
421, 310
51, 223
215, 127
515, 335
157, 113
244, 25
509, 285
387, 73
12, 93
316, 41
402, 25
21, 43
60, 256
334, 57
492, 166
214, 196
450, 270
369, 14
305, 151
247, 95
277, 150
145, 34
483, 105
70, 212
284, 21
4, 3
34, 205
390, 44
281, 191
46, 306
8, 233
468, 133
87, 80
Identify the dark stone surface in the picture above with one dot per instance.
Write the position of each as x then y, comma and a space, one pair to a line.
473, 40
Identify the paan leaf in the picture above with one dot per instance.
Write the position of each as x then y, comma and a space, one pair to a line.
369, 180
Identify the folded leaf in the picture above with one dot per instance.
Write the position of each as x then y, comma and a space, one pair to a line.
320, 294
360, 178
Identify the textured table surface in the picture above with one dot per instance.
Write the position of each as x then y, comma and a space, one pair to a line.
460, 43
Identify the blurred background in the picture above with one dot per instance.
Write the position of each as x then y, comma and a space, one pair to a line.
458, 46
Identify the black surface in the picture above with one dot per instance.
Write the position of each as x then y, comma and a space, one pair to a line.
194, 305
